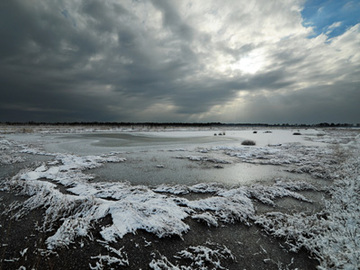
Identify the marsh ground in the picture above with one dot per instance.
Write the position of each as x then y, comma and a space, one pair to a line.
161, 199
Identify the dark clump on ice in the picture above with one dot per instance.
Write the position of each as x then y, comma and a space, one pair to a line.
248, 142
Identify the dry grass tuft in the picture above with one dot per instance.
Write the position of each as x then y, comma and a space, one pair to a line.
248, 142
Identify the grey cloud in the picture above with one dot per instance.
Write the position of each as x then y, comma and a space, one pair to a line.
173, 21
310, 105
238, 52
270, 80
52, 73
95, 61
100, 14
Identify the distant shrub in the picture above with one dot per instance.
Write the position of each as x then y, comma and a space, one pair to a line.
268, 131
296, 133
248, 142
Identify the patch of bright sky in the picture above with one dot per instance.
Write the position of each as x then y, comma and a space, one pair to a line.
330, 17
250, 63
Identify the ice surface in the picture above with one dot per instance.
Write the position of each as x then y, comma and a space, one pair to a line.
73, 201
130, 207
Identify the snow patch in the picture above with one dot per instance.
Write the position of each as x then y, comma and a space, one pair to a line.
333, 235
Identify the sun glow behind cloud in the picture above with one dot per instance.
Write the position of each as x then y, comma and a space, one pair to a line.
180, 60
251, 63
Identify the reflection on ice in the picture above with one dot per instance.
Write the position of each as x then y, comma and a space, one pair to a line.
184, 172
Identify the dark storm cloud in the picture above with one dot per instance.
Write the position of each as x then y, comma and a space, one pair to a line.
311, 105
173, 21
52, 57
46, 60
149, 61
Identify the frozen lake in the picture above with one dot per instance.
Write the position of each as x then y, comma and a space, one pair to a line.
172, 197
155, 158
103, 142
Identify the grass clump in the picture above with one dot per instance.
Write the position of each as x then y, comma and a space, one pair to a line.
248, 142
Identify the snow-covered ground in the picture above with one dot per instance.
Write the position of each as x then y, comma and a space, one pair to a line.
171, 183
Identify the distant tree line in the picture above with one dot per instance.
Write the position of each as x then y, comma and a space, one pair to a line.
178, 124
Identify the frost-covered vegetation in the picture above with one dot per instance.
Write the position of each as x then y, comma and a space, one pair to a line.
333, 235
8, 155
206, 257
131, 207
74, 205
295, 157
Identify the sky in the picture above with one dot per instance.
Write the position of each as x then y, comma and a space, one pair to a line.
258, 61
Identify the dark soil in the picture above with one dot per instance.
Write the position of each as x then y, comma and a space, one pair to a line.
252, 248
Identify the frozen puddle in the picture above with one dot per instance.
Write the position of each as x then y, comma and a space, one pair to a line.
107, 186
185, 158
172, 171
